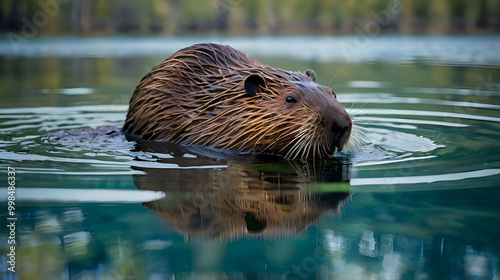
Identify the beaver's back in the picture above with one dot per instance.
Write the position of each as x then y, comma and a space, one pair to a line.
194, 84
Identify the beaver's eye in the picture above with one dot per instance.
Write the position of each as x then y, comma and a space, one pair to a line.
290, 99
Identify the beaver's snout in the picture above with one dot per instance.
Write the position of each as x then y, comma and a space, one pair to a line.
341, 130
341, 127
339, 123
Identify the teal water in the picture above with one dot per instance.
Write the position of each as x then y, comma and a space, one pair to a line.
419, 200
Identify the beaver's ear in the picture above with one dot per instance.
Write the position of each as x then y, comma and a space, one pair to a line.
310, 73
253, 83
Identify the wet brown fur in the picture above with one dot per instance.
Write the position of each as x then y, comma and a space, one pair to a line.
197, 97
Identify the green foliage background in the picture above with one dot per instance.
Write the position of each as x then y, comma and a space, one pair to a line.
242, 17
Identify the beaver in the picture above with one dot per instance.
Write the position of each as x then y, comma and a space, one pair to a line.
215, 96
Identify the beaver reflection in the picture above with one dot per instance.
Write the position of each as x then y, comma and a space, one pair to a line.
241, 199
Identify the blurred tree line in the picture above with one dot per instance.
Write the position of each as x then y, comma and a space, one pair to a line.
240, 17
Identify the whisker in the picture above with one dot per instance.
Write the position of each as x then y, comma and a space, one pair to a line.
334, 75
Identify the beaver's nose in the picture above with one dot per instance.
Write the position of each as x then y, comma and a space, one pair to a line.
341, 126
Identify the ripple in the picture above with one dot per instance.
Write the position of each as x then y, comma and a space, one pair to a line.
70, 91
49, 140
424, 179
386, 121
422, 114
390, 99
452, 91
83, 195
400, 142
64, 110
22, 157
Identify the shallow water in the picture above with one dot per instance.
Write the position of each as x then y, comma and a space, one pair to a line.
418, 200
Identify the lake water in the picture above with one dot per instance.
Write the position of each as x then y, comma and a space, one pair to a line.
418, 200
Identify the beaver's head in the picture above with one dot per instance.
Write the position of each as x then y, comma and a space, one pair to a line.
216, 96
305, 118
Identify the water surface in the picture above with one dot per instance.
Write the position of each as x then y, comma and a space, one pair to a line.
417, 201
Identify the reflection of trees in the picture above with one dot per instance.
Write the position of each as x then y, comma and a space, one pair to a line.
393, 256
247, 17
